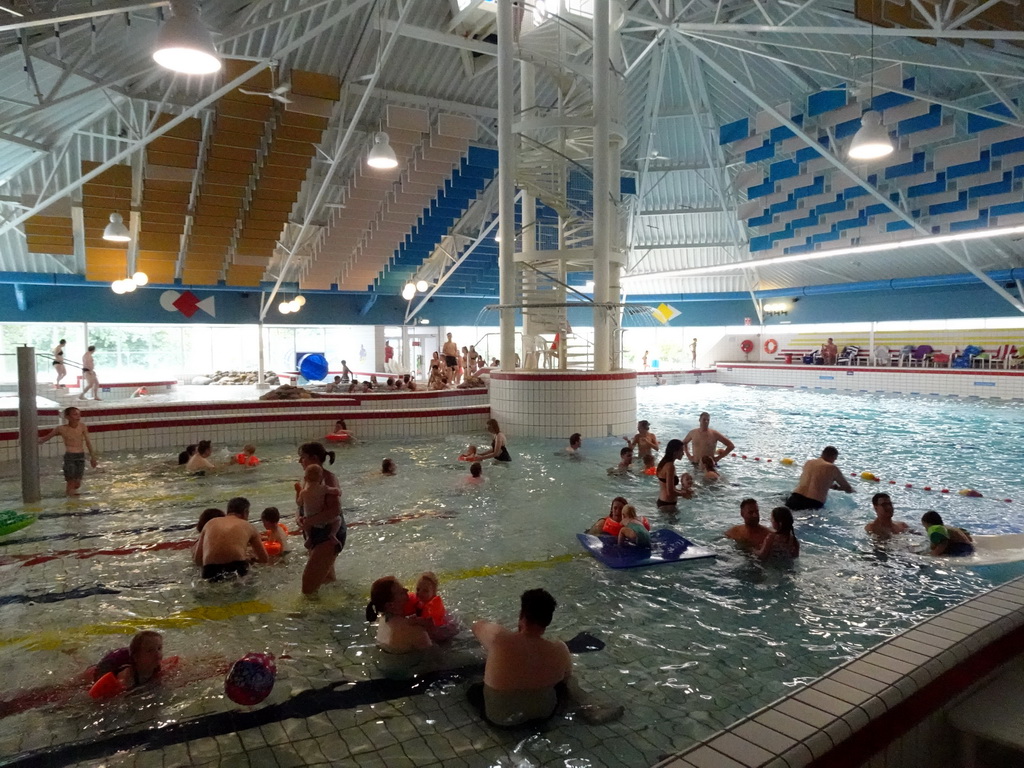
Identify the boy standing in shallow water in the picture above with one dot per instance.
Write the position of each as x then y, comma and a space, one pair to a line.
76, 441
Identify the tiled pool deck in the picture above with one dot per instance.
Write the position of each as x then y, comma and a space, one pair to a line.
886, 707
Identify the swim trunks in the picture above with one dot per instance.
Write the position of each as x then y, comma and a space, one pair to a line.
74, 466
219, 571
663, 503
319, 534
511, 709
798, 501
450, 360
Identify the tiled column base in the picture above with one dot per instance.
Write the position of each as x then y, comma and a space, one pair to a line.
558, 403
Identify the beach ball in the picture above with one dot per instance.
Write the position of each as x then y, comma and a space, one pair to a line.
250, 679
313, 367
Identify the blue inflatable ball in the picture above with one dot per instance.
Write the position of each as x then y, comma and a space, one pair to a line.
251, 679
313, 367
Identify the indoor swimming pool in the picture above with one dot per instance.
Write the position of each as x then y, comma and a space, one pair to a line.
688, 648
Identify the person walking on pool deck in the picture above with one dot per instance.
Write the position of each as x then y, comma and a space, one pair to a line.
703, 441
89, 374
818, 477
221, 548
525, 673
883, 526
750, 533
693, 353
76, 441
58, 361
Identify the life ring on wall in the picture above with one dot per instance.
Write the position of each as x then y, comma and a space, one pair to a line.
747, 346
771, 346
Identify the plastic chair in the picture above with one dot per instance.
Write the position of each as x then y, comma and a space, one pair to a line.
848, 356
1004, 355
905, 355
882, 356
940, 359
922, 355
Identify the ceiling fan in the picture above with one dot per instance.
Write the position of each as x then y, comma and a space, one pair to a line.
280, 93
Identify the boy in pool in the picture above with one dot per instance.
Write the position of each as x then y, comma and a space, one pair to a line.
945, 539
430, 610
650, 465
469, 454
76, 441
476, 473
625, 460
274, 534
247, 458
645, 441
633, 531
317, 523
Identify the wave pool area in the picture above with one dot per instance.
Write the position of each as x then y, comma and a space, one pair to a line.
688, 648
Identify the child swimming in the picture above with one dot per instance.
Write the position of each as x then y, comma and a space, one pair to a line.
319, 521
469, 454
707, 464
650, 465
430, 610
782, 541
247, 458
274, 534
633, 531
126, 668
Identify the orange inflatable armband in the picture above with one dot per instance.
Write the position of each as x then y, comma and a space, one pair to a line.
107, 687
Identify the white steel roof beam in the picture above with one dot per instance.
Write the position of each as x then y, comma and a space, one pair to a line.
100, 9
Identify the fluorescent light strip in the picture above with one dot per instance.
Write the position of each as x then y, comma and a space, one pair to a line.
982, 234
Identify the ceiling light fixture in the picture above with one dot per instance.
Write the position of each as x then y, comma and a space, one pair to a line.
977, 234
116, 231
184, 44
140, 278
871, 141
381, 154
422, 286
409, 291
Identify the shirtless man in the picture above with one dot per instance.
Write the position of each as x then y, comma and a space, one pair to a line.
450, 350
524, 671
703, 441
883, 525
750, 533
829, 352
221, 548
89, 374
76, 441
645, 441
818, 477
58, 361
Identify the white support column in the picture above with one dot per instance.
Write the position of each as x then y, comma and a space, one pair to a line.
527, 102
602, 188
506, 185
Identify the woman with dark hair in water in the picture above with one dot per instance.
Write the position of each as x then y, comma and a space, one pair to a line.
668, 491
499, 451
320, 566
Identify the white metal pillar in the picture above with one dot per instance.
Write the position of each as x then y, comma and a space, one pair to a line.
602, 188
506, 186
527, 277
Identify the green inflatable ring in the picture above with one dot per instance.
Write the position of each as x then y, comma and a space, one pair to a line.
11, 521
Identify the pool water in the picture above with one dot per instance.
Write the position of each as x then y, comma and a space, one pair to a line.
688, 648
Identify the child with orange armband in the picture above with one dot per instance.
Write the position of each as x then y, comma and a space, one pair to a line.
126, 668
247, 458
430, 611
275, 533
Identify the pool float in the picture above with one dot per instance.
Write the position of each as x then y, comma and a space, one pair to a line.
868, 476
651, 471
246, 460
992, 549
251, 679
337, 437
468, 458
666, 547
11, 521
612, 528
786, 462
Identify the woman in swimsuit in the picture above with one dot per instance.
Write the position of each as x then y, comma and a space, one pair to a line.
398, 633
614, 514
782, 541
669, 492
320, 565
498, 452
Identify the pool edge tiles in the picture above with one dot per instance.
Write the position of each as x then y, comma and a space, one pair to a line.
895, 692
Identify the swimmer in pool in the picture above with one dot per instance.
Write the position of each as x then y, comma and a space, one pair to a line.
650, 464
782, 541
707, 465
945, 540
525, 673
274, 535
817, 478
668, 491
398, 633
247, 458
222, 546
499, 451
883, 526
575, 444
614, 515
76, 442
136, 665
319, 520
750, 533
469, 454
430, 611
645, 441
625, 460
685, 485
200, 460
341, 429
388, 468
703, 441
206, 516
633, 531
187, 454
476, 474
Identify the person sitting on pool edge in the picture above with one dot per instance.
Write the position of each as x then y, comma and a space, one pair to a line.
750, 533
883, 526
221, 548
525, 673
946, 539
818, 477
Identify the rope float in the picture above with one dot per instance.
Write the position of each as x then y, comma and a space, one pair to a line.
871, 477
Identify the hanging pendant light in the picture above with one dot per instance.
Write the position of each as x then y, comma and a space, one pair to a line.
409, 291
140, 278
184, 44
116, 231
872, 140
381, 154
422, 286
